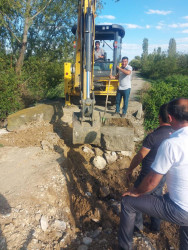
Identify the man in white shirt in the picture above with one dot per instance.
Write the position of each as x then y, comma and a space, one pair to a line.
123, 91
172, 160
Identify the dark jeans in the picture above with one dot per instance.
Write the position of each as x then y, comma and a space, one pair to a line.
155, 222
161, 207
125, 94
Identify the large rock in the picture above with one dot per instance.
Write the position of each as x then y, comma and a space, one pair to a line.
44, 223
99, 162
41, 112
110, 157
117, 138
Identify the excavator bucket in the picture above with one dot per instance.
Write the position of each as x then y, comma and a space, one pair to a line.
86, 132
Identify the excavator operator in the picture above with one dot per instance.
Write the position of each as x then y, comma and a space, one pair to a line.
99, 53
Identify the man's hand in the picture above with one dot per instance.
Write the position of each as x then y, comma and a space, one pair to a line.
111, 76
118, 67
150, 181
131, 192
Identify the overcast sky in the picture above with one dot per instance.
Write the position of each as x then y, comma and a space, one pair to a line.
157, 20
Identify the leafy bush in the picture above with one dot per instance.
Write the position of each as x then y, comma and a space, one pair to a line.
41, 79
158, 66
9, 93
136, 64
161, 92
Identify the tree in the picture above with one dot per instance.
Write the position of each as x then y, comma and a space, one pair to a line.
172, 48
136, 63
145, 48
36, 24
159, 50
137, 58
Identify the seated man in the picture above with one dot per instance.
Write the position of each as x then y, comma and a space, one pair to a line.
99, 53
146, 156
171, 160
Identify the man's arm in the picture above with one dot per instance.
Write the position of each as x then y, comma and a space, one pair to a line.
125, 71
101, 56
137, 159
114, 77
149, 182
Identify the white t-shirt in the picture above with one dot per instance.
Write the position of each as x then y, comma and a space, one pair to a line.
172, 160
125, 80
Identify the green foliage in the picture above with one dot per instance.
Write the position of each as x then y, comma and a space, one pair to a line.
9, 93
145, 48
158, 66
41, 79
182, 63
161, 92
172, 47
136, 64
169, 76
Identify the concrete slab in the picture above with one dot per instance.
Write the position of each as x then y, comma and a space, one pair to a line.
117, 138
42, 112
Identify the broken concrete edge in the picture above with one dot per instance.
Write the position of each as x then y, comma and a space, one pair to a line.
49, 112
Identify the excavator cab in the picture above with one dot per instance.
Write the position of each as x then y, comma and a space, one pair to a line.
110, 37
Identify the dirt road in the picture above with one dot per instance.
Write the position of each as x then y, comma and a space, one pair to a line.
138, 85
52, 197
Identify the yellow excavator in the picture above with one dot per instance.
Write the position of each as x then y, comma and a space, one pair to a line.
88, 79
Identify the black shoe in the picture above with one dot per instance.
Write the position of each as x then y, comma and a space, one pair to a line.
154, 230
137, 232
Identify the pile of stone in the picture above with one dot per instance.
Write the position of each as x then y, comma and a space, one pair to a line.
102, 158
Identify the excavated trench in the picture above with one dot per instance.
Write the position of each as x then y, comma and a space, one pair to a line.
95, 197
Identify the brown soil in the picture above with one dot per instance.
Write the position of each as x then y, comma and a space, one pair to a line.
118, 122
